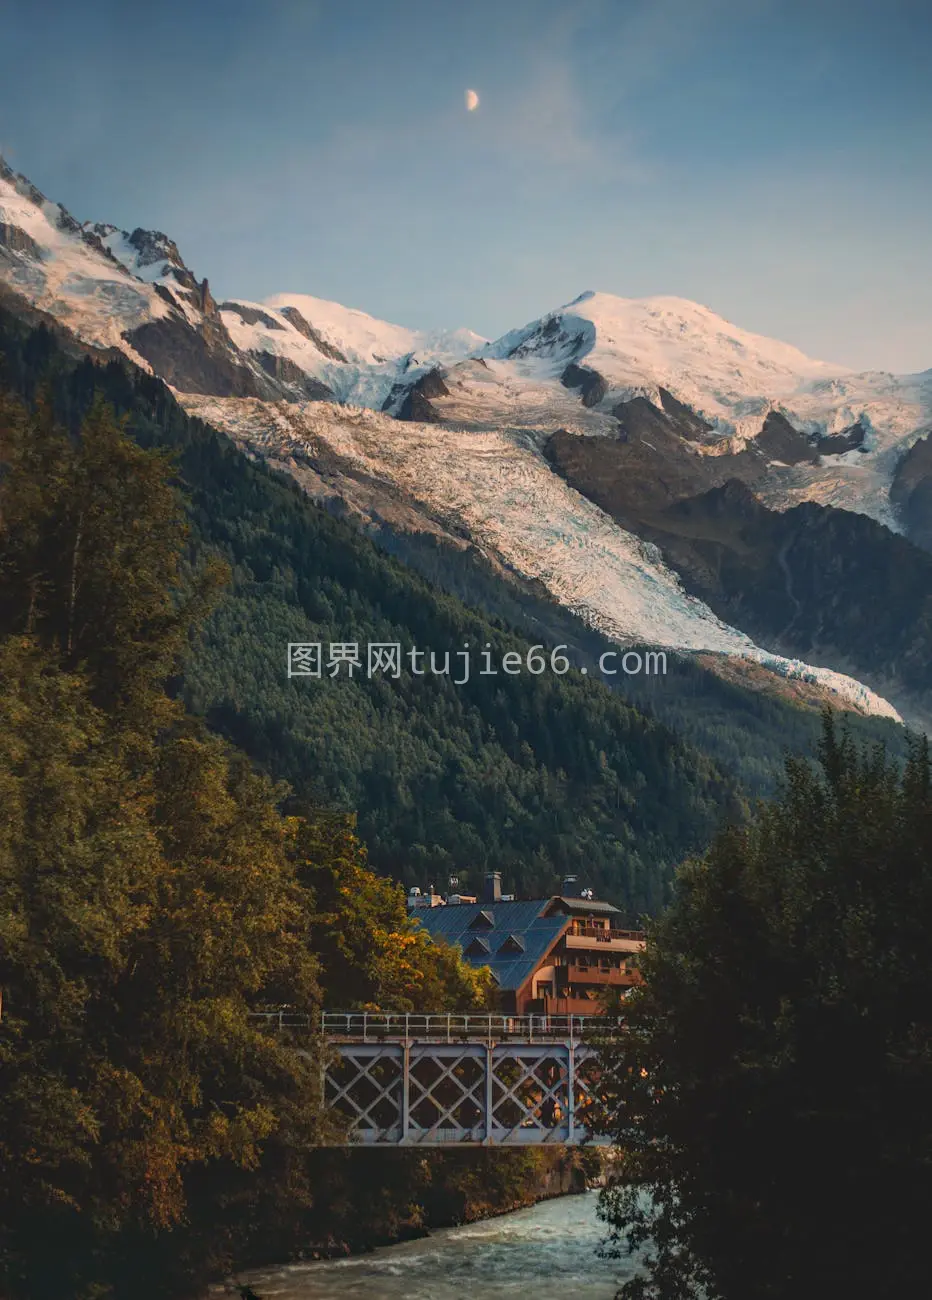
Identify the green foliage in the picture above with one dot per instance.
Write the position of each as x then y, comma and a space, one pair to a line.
772, 1093
745, 730
151, 895
94, 535
151, 891
375, 957
535, 776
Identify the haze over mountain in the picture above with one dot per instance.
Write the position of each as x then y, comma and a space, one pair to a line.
565, 449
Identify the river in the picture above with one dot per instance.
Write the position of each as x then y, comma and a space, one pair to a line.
547, 1252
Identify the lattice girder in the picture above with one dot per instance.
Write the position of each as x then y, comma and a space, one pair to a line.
501, 1093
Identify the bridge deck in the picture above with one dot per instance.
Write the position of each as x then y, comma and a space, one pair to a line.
461, 1080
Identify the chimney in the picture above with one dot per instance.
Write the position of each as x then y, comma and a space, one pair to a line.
570, 887
492, 892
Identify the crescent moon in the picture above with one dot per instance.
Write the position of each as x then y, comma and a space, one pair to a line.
472, 101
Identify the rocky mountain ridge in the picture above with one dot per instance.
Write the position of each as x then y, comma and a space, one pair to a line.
579, 452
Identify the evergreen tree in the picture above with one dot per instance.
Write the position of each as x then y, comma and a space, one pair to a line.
772, 1090
152, 894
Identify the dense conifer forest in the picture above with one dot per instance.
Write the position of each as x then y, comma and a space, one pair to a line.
534, 775
154, 892
771, 1093
184, 827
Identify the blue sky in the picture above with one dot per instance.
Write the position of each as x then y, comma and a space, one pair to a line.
768, 158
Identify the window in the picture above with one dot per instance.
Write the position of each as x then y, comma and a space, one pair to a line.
483, 920
478, 947
514, 943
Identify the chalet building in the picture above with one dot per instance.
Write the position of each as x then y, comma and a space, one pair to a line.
552, 956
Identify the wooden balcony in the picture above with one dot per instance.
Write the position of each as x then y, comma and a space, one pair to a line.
591, 975
562, 1006
595, 938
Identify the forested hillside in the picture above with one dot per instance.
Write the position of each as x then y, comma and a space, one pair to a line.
536, 775
153, 894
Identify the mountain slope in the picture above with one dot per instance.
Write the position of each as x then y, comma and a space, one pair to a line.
535, 775
676, 400
638, 344
133, 291
498, 488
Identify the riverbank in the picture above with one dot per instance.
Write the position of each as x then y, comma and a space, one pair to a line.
545, 1252
459, 1189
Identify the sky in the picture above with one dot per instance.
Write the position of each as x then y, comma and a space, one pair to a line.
767, 158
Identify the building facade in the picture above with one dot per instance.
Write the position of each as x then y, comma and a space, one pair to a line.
554, 956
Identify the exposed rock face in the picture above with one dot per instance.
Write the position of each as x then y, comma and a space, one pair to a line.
592, 386
551, 336
637, 417
153, 246
911, 492
17, 240
252, 315
626, 479
650, 465
287, 372
690, 424
93, 239
205, 300
432, 385
807, 582
320, 343
778, 440
188, 360
417, 407
415, 398
836, 444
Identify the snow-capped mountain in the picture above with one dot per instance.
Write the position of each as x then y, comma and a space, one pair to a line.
133, 291
359, 358
564, 449
574, 367
638, 345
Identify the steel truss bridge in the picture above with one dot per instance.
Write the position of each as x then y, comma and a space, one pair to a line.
451, 1080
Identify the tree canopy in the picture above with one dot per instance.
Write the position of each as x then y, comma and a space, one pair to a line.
152, 894
772, 1092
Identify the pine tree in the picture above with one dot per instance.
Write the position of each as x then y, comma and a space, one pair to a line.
772, 1091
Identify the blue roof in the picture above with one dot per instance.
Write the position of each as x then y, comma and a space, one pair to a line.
523, 920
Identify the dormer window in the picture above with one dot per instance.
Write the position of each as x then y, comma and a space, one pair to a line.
483, 920
478, 947
512, 944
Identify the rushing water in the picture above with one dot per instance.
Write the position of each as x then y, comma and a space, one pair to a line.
546, 1253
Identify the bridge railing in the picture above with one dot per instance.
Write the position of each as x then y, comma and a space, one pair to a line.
368, 1026
364, 1027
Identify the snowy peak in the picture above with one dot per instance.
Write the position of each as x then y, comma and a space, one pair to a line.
637, 345
360, 338
365, 340
148, 254
360, 358
662, 387
577, 368
44, 210
133, 290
